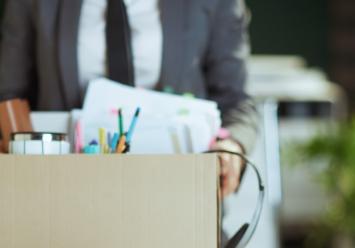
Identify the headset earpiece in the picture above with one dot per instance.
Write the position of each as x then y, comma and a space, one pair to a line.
234, 241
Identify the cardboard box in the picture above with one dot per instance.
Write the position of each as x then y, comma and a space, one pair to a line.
108, 201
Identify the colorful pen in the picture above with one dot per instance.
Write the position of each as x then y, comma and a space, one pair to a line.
120, 122
114, 142
121, 144
132, 126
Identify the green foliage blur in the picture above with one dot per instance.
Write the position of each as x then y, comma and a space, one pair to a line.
335, 149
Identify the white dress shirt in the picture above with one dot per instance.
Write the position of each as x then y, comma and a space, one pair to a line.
147, 41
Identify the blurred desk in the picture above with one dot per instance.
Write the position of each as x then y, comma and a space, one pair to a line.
308, 101
286, 78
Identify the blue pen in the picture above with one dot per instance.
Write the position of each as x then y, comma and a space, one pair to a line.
114, 142
132, 126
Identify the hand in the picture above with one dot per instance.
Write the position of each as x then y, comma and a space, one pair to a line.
231, 166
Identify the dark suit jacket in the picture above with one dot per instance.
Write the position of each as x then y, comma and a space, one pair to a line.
204, 53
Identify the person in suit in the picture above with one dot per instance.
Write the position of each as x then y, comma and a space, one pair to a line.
51, 49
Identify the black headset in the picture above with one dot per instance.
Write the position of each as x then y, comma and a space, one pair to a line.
246, 232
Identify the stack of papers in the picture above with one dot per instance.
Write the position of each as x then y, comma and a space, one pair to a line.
167, 123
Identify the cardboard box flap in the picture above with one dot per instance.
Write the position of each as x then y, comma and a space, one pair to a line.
108, 201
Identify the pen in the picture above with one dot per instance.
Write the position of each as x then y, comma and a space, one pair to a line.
132, 126
114, 142
121, 144
120, 122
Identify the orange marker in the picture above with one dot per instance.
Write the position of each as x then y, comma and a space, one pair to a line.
121, 144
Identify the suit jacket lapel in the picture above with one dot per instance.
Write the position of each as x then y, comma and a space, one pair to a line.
174, 24
68, 26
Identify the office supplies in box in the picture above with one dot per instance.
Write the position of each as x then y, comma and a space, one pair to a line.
109, 201
167, 124
35, 143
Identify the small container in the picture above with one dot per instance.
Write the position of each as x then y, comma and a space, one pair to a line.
39, 143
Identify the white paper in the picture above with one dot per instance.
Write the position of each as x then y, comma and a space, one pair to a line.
167, 123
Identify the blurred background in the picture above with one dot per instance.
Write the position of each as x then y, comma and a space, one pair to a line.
304, 62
